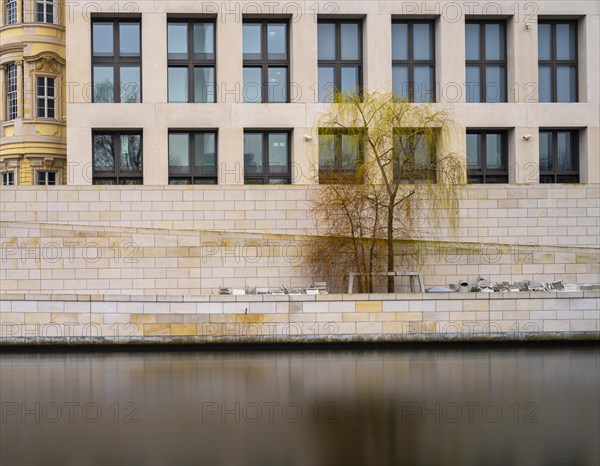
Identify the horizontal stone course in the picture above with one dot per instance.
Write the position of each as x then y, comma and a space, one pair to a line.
240, 319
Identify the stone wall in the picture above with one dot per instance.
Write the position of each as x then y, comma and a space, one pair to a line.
191, 240
542, 214
47, 319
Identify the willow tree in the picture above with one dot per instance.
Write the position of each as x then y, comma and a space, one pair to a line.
380, 160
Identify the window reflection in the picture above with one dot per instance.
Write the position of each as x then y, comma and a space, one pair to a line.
267, 157
191, 61
413, 61
129, 39
340, 58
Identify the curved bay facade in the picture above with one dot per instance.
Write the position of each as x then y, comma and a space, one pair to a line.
33, 110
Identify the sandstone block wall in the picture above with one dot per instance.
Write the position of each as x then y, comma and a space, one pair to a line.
346, 318
191, 240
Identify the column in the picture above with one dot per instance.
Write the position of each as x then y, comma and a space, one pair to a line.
230, 152
20, 12
154, 60
522, 58
3, 92
450, 60
377, 59
303, 59
20, 90
229, 58
156, 160
304, 89
29, 11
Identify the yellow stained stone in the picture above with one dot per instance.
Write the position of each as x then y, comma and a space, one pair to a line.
183, 329
409, 316
143, 318
369, 306
157, 329
249, 318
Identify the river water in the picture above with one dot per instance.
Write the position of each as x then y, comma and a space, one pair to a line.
468, 405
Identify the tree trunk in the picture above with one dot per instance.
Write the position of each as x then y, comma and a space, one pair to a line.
390, 248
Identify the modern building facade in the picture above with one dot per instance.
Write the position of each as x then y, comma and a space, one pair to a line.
234, 85
228, 94
32, 79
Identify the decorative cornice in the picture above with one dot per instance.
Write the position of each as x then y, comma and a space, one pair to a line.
46, 61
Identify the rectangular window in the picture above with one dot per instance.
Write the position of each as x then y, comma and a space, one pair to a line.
340, 58
11, 92
45, 97
266, 61
46, 178
413, 60
116, 60
8, 178
192, 63
340, 156
117, 157
487, 156
559, 156
44, 11
557, 61
10, 12
486, 61
414, 156
192, 157
267, 158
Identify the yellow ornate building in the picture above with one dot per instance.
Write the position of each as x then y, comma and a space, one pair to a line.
32, 79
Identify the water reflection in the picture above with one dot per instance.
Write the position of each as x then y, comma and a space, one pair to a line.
452, 406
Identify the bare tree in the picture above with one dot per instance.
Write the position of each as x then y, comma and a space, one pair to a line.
374, 182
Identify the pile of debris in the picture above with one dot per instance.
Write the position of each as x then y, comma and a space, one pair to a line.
316, 288
483, 285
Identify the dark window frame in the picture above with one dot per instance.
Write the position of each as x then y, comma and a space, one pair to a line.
411, 61
264, 63
116, 61
196, 173
47, 9
483, 62
46, 175
338, 62
431, 173
554, 62
8, 178
45, 98
554, 175
192, 62
481, 171
338, 174
265, 175
116, 174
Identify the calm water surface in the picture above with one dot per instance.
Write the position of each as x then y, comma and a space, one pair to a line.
449, 406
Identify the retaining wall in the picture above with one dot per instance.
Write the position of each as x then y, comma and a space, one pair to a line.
71, 319
190, 240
